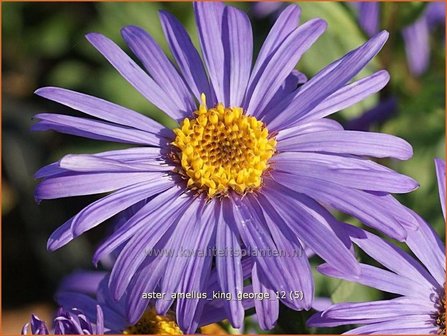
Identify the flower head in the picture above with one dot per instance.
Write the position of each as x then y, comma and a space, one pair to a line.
67, 322
249, 166
90, 289
420, 306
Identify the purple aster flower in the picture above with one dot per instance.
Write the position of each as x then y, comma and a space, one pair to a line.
67, 322
417, 37
90, 289
266, 8
420, 305
252, 165
368, 16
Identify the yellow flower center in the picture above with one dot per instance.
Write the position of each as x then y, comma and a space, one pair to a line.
222, 149
153, 324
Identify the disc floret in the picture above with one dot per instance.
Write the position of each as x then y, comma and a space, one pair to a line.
222, 149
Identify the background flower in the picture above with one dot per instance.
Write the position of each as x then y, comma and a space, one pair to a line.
420, 306
26, 61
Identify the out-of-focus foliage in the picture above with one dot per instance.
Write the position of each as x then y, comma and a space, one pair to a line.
44, 44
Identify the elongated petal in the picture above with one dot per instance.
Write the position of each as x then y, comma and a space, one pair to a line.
197, 271
281, 275
406, 325
134, 74
428, 247
237, 39
284, 25
376, 211
267, 311
392, 257
229, 266
61, 236
209, 17
93, 129
417, 46
378, 278
86, 163
368, 13
88, 184
110, 205
308, 127
306, 223
144, 281
349, 142
440, 175
169, 198
385, 309
140, 245
188, 224
350, 172
282, 63
187, 57
159, 67
328, 81
292, 255
101, 109
349, 95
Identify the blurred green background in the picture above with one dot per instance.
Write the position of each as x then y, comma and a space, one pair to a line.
44, 44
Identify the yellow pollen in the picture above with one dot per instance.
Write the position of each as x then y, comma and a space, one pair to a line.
153, 324
222, 149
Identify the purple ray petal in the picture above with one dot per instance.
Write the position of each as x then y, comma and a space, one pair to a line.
197, 271
159, 67
349, 142
89, 184
417, 46
349, 95
229, 266
376, 211
306, 223
187, 57
309, 127
378, 278
101, 109
328, 81
284, 25
110, 205
82, 282
392, 257
61, 236
282, 63
93, 129
87, 163
136, 249
280, 272
170, 198
187, 224
291, 252
346, 171
440, 175
369, 16
209, 17
267, 311
428, 247
134, 74
407, 325
237, 39
385, 309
